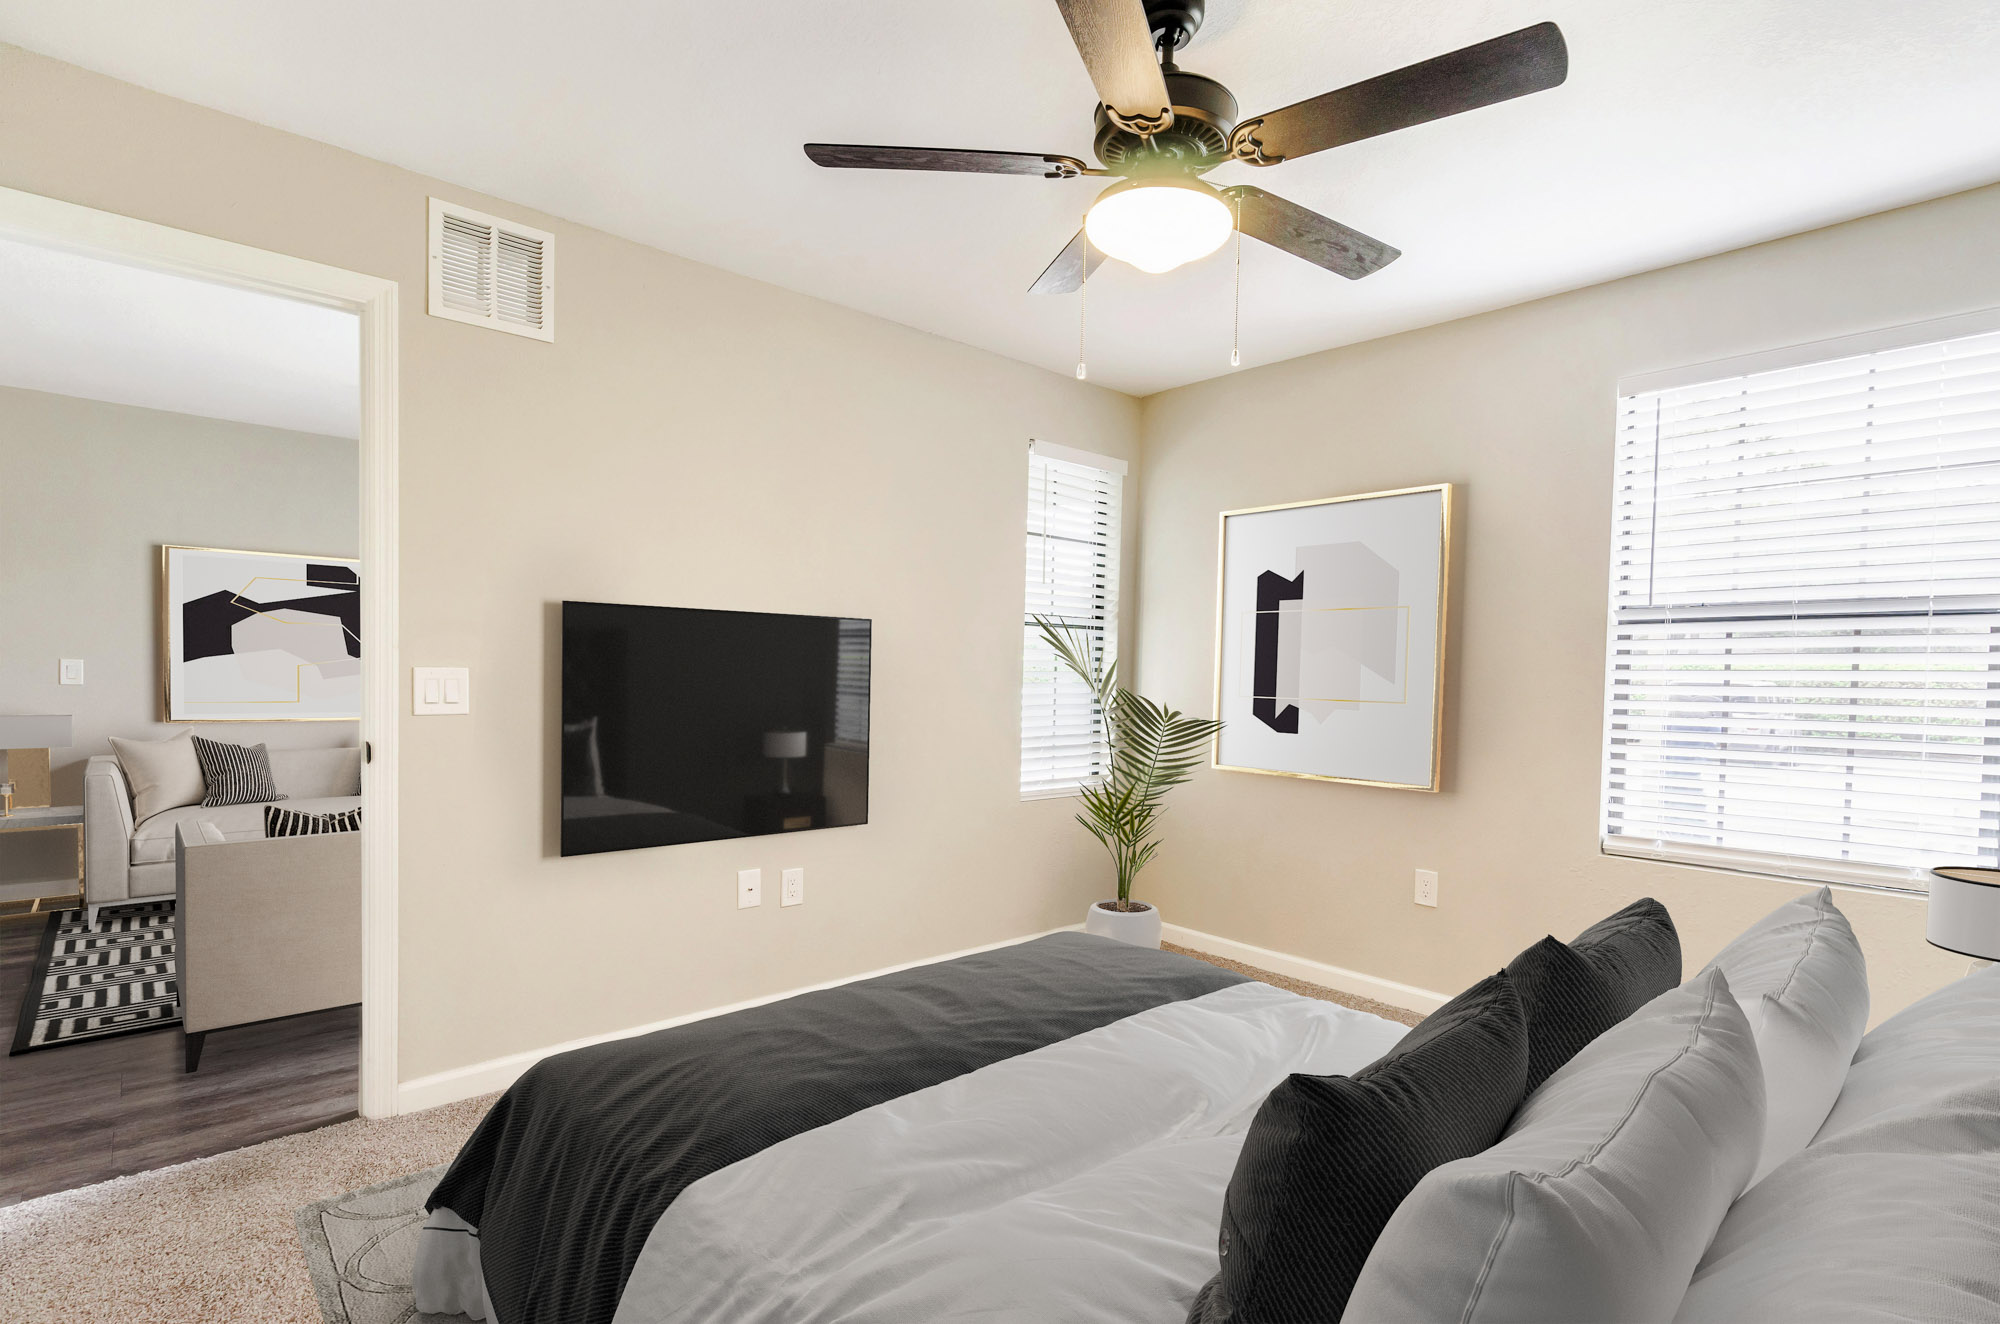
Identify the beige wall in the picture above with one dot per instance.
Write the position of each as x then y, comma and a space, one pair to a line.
694, 438
88, 493
1517, 407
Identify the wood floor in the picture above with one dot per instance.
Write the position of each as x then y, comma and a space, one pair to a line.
86, 1112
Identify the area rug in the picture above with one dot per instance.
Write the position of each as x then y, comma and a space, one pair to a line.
360, 1247
117, 977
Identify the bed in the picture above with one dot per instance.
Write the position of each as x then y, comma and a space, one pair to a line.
1069, 1106
1074, 1129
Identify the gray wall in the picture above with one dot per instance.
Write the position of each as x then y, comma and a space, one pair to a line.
88, 493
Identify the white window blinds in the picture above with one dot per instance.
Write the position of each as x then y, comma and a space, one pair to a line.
1073, 516
1805, 617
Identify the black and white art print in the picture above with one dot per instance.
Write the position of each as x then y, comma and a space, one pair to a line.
1330, 638
260, 636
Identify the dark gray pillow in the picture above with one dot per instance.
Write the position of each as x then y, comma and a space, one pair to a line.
236, 774
1328, 1158
1636, 949
1567, 1003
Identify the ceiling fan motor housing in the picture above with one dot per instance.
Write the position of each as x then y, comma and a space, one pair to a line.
1198, 139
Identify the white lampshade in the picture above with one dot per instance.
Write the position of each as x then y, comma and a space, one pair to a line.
1157, 224
34, 731
1965, 912
784, 744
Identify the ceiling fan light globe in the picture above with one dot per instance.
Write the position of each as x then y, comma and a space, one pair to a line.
1157, 225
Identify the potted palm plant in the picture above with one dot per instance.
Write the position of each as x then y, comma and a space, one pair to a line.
1153, 750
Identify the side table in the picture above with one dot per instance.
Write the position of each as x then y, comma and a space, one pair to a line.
45, 818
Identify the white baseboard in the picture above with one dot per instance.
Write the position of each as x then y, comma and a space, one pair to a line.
500, 1072
1407, 996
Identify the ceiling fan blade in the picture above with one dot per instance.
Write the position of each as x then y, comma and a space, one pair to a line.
850, 156
1307, 234
1116, 43
1072, 267
1530, 60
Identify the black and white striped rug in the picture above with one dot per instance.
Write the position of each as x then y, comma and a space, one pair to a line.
91, 983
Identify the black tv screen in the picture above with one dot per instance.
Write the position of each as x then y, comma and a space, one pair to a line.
680, 725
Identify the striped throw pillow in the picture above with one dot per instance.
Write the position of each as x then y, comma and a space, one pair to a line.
296, 823
236, 774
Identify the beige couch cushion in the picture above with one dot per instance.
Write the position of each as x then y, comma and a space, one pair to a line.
153, 840
304, 773
163, 774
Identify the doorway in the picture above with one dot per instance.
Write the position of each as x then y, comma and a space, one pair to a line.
308, 295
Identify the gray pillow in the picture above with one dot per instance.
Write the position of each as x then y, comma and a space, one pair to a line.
1599, 1201
163, 774
236, 774
1799, 976
1944, 1044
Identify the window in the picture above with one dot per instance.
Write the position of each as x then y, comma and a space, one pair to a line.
1805, 611
1073, 510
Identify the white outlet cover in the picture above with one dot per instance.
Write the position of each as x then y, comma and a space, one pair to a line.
793, 890
1427, 887
749, 888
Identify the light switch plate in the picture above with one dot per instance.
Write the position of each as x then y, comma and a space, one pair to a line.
1427, 887
71, 672
436, 690
793, 891
749, 888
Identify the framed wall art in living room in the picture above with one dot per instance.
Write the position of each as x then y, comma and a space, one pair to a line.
259, 636
1330, 634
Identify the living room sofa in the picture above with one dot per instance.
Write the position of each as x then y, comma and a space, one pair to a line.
127, 861
265, 929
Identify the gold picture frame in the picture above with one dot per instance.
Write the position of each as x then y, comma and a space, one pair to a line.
1446, 499
168, 636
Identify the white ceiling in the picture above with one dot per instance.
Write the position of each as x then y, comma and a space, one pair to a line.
1687, 127
82, 326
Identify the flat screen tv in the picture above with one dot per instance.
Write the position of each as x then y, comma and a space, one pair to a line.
680, 725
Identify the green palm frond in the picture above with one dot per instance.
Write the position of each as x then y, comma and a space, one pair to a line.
1153, 749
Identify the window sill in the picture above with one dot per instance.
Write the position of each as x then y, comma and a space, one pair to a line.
1792, 868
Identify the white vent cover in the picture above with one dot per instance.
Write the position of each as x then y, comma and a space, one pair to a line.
491, 272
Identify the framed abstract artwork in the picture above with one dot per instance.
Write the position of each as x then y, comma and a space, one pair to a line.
1329, 638
259, 636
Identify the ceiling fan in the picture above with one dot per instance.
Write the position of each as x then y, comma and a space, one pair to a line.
1161, 128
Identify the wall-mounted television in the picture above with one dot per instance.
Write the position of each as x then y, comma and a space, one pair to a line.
681, 724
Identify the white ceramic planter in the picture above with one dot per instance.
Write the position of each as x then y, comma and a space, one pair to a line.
1140, 927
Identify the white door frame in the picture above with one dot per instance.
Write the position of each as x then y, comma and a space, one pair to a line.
35, 219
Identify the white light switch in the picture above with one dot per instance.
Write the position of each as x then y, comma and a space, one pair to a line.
749, 888
436, 690
792, 887
72, 671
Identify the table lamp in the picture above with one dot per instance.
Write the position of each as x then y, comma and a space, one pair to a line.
1965, 913
785, 745
28, 738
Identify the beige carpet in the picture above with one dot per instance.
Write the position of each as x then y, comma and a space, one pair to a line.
214, 1240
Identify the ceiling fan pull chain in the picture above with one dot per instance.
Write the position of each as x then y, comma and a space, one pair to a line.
1236, 322
1082, 298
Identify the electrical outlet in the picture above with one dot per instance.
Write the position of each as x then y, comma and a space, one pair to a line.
793, 888
1427, 887
749, 888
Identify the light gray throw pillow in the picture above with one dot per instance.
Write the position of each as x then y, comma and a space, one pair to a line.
1799, 976
1947, 1042
1599, 1201
1892, 1213
163, 774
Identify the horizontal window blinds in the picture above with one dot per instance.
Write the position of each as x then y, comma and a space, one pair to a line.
1805, 617
1072, 577
854, 648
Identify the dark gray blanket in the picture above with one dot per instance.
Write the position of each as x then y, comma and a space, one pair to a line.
568, 1173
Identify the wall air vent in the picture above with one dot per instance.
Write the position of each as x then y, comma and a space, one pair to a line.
491, 272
